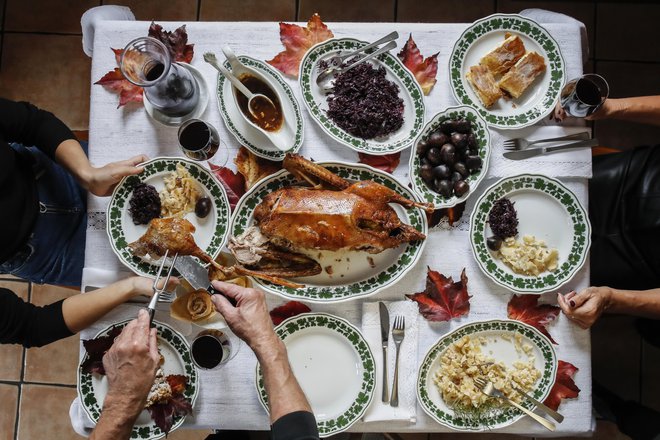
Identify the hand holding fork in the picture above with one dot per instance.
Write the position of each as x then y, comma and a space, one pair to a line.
151, 308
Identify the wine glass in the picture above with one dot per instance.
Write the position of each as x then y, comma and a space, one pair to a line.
200, 141
169, 88
212, 348
582, 96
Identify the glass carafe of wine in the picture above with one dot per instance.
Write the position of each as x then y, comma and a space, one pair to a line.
169, 88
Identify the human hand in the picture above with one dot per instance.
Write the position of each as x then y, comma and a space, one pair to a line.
130, 366
585, 308
101, 181
249, 319
144, 286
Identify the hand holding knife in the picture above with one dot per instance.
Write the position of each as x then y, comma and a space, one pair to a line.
197, 276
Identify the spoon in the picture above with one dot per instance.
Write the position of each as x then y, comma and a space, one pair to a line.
257, 103
336, 70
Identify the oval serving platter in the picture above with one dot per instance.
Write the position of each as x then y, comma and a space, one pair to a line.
485, 35
244, 133
409, 91
499, 335
482, 135
354, 274
211, 231
334, 366
93, 388
547, 210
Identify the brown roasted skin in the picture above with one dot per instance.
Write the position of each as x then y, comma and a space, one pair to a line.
173, 234
357, 218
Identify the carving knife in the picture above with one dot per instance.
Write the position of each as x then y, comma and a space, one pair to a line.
384, 336
197, 275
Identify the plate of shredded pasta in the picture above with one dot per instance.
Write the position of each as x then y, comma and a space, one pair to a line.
507, 353
168, 187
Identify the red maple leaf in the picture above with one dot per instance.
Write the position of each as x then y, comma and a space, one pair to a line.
297, 40
453, 215
96, 349
386, 162
287, 310
115, 81
164, 413
443, 299
234, 183
176, 42
564, 387
424, 70
526, 308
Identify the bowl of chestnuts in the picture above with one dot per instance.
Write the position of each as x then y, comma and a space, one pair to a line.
450, 156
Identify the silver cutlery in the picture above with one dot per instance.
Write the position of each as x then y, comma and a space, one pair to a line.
151, 308
540, 405
488, 389
384, 335
337, 59
531, 152
521, 144
321, 80
398, 333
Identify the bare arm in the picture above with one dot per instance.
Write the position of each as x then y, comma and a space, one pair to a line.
81, 311
642, 109
99, 181
251, 322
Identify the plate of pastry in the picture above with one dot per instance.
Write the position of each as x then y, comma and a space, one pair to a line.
509, 68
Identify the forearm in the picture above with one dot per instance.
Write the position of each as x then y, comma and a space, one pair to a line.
641, 109
645, 303
71, 156
82, 310
117, 419
284, 393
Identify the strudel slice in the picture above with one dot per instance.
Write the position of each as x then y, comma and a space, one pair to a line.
522, 74
483, 82
504, 56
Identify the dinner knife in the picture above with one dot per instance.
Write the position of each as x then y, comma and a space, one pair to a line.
531, 152
384, 336
197, 275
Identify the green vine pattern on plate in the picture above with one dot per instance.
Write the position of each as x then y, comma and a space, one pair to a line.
271, 153
122, 194
482, 135
242, 219
501, 418
150, 432
522, 25
355, 338
395, 68
581, 234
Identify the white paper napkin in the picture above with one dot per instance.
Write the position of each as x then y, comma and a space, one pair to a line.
380, 411
80, 421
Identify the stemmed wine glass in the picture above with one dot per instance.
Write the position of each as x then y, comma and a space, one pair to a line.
200, 141
584, 95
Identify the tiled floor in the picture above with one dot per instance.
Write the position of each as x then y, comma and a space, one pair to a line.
41, 61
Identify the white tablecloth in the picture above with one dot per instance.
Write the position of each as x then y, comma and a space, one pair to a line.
227, 398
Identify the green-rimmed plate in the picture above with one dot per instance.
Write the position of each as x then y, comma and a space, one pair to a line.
246, 134
485, 35
480, 131
499, 337
409, 91
547, 210
353, 274
211, 231
92, 388
333, 365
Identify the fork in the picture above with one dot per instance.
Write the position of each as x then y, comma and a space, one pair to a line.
398, 333
521, 144
489, 389
151, 308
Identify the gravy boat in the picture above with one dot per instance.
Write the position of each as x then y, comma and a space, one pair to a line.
283, 138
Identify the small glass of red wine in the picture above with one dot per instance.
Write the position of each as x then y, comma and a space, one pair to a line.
212, 348
200, 141
583, 96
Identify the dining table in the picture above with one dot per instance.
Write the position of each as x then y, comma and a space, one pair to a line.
228, 397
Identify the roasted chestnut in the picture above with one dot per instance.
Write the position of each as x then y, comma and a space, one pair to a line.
448, 154
461, 187
443, 187
203, 207
459, 140
422, 147
494, 243
434, 156
438, 139
426, 172
461, 168
441, 172
473, 163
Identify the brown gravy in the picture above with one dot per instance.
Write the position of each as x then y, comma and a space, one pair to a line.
270, 118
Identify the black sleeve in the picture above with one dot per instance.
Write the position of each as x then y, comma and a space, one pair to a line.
299, 425
26, 324
26, 124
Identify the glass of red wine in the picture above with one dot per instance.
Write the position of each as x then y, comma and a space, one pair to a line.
200, 141
169, 88
212, 348
583, 96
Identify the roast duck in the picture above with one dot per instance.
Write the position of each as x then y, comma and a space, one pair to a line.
327, 213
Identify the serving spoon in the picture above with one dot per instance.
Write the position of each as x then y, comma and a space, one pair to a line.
256, 101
